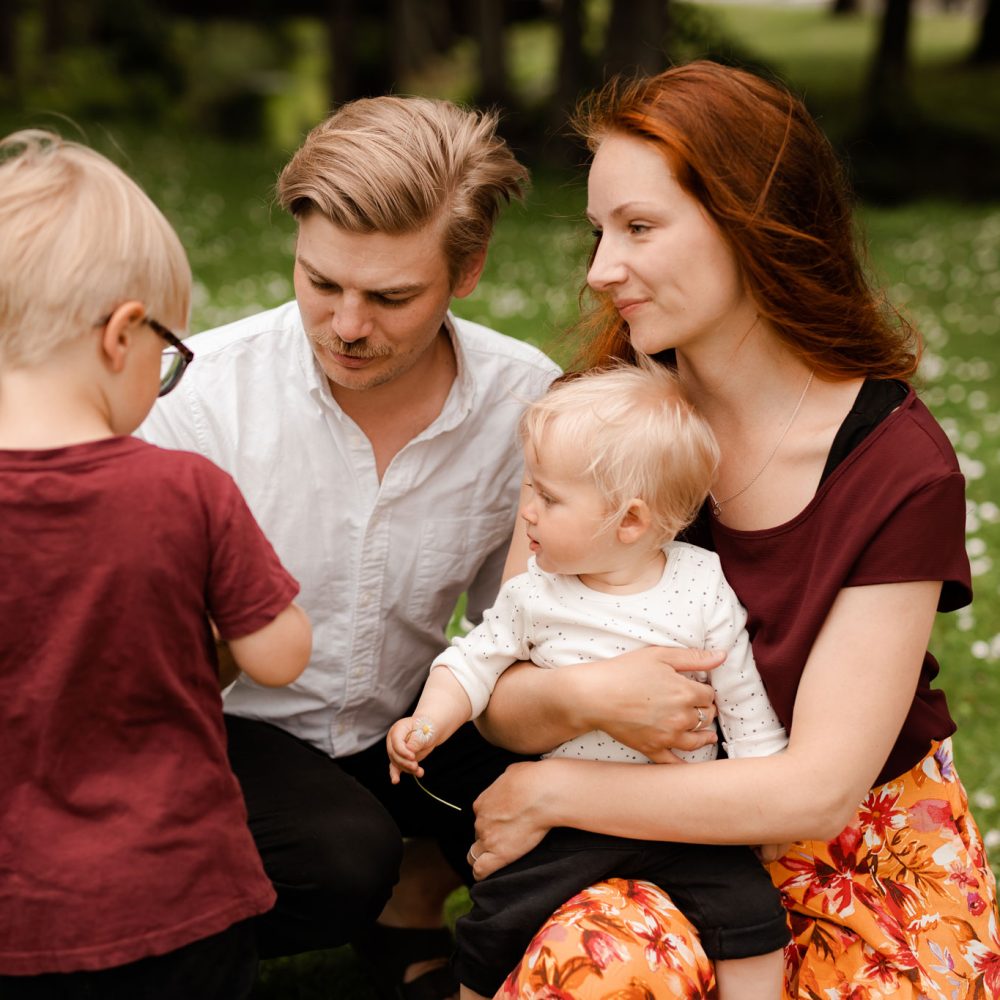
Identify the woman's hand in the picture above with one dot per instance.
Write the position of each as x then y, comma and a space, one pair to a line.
511, 816
644, 700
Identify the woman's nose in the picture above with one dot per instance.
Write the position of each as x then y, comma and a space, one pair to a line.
607, 268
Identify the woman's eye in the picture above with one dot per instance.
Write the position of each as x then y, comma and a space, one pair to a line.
638, 228
596, 233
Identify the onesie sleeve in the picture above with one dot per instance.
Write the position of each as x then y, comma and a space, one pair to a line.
247, 586
478, 659
749, 724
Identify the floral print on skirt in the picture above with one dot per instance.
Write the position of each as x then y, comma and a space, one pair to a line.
902, 904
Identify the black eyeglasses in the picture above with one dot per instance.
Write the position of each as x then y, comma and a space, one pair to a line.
175, 359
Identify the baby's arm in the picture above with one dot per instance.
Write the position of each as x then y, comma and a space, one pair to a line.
277, 653
461, 681
443, 707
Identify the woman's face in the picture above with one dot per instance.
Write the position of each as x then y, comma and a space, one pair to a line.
660, 258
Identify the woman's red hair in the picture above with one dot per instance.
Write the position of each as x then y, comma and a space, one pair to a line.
749, 151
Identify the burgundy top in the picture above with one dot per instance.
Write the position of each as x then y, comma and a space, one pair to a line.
124, 831
892, 510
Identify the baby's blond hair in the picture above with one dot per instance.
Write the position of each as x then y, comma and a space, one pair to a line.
77, 238
637, 437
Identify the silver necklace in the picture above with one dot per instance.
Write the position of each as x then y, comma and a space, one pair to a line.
717, 505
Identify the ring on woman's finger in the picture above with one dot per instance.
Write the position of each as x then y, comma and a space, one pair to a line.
472, 857
701, 718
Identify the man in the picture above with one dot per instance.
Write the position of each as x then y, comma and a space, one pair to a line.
373, 435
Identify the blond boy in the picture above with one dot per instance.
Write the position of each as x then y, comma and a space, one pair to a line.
126, 866
617, 464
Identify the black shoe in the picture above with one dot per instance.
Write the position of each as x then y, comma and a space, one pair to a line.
387, 952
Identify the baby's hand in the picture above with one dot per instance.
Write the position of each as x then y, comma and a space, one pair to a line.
408, 742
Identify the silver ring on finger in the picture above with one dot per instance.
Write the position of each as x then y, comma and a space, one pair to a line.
472, 856
701, 719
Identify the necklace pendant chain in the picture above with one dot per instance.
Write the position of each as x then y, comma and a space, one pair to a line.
717, 505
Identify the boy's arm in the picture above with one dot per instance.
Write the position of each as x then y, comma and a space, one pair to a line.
277, 653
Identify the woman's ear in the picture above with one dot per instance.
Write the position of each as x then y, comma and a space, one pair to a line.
116, 337
635, 522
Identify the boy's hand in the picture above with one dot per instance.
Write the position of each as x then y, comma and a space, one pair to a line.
408, 742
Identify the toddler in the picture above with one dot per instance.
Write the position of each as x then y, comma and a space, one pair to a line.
126, 865
617, 464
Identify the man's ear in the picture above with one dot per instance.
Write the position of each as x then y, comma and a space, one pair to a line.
471, 273
635, 522
116, 337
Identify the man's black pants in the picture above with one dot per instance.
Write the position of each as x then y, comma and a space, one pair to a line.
330, 831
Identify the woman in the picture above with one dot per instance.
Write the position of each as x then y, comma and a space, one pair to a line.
724, 238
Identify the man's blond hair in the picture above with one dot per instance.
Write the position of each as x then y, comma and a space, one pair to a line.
397, 164
77, 239
637, 437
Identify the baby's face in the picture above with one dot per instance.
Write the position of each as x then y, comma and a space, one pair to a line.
565, 516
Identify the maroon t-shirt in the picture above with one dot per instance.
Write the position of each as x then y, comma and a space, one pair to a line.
123, 829
892, 510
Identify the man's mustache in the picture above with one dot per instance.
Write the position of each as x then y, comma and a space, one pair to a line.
354, 349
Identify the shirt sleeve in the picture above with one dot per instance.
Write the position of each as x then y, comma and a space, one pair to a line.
749, 724
478, 659
921, 538
247, 585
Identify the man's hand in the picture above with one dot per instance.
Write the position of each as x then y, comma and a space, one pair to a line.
228, 669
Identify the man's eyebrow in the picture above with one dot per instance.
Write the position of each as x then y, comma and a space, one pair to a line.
407, 289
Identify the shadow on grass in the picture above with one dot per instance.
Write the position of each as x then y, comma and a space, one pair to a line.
319, 975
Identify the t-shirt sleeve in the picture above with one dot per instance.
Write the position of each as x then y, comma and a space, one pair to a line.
247, 585
921, 538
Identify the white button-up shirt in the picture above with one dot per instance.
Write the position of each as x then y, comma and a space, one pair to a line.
381, 564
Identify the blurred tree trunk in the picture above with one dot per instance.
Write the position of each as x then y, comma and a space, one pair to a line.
573, 73
887, 80
574, 76
361, 63
8, 43
53, 26
414, 29
987, 50
839, 7
636, 36
488, 28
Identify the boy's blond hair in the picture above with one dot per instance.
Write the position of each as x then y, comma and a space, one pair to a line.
77, 239
637, 437
396, 164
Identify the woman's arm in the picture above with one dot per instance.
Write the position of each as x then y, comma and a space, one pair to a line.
641, 698
854, 695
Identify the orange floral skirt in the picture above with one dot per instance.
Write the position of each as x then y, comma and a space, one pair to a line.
902, 904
